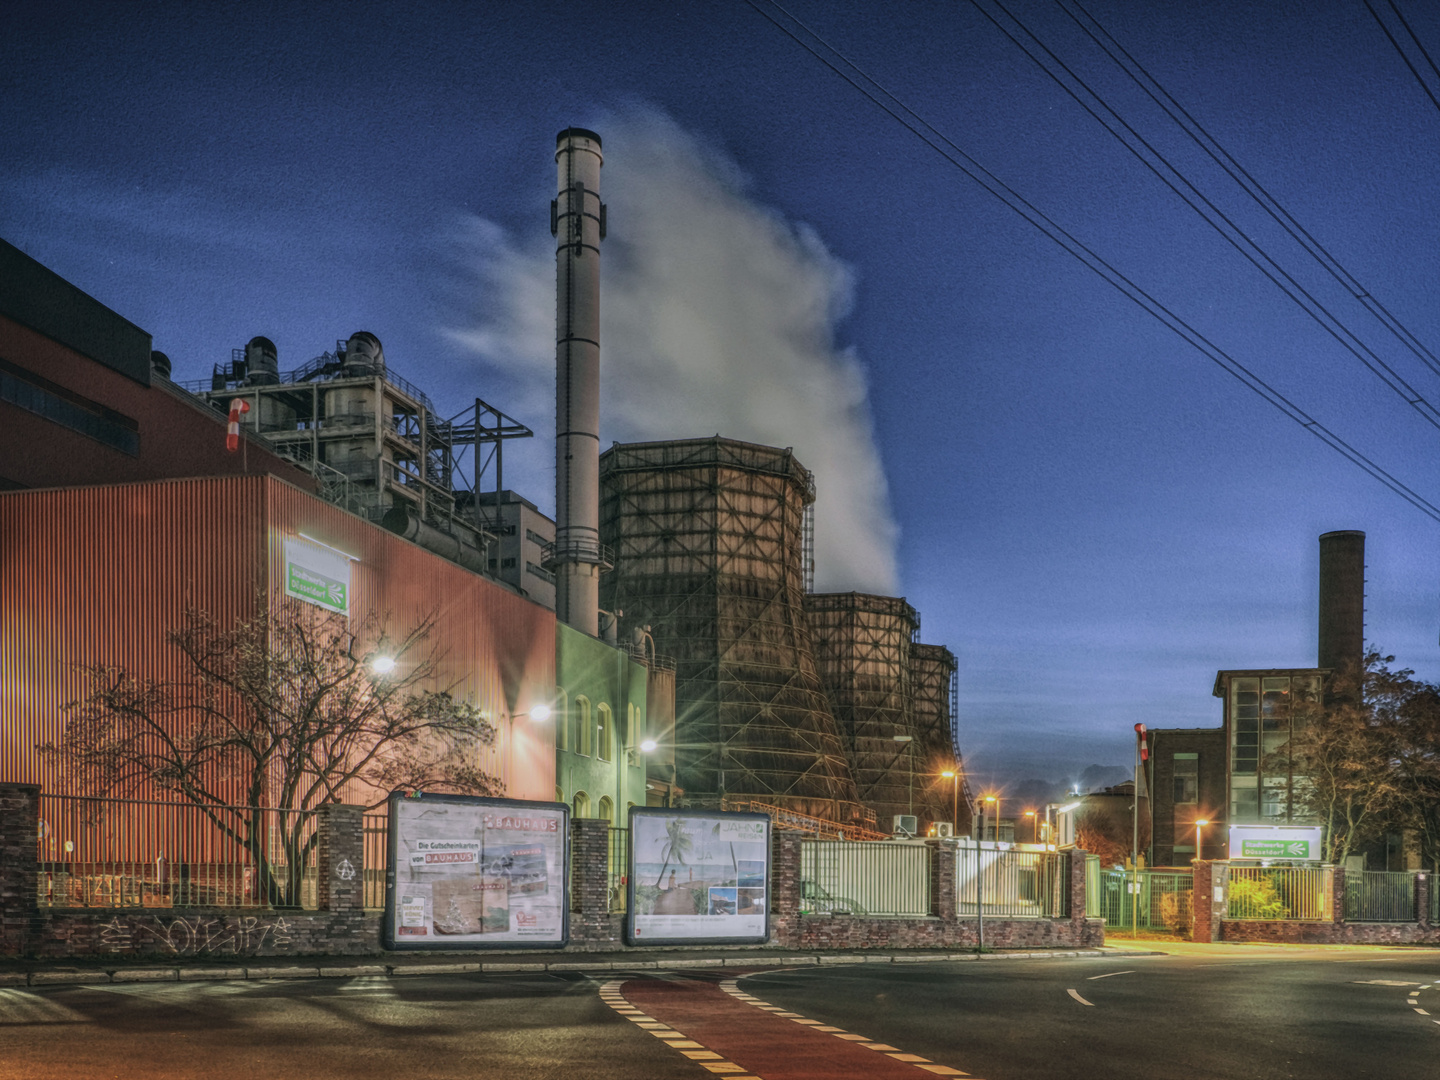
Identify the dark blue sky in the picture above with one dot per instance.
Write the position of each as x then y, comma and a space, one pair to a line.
1089, 512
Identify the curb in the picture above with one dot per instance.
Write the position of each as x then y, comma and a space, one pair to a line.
193, 974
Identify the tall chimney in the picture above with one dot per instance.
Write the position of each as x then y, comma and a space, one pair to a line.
577, 221
1342, 600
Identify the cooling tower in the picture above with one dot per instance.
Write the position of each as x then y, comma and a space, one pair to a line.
932, 686
708, 536
862, 649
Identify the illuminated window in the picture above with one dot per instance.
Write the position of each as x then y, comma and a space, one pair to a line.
605, 733
1245, 724
580, 732
607, 809
582, 804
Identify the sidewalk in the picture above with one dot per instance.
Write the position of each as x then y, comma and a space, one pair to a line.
51, 973
1253, 948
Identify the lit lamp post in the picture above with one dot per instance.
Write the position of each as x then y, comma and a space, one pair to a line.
979, 877
1199, 824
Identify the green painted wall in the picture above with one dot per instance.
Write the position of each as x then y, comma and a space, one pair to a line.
591, 673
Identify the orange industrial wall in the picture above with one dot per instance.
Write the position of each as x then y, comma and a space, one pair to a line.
179, 436
98, 574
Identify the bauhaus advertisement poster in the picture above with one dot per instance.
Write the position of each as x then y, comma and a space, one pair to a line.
476, 873
698, 876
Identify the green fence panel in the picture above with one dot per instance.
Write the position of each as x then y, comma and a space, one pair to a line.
1379, 896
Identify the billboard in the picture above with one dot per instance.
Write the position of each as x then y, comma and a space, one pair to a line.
318, 575
476, 873
698, 876
1276, 842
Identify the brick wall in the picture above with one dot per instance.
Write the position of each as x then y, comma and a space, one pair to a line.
342, 927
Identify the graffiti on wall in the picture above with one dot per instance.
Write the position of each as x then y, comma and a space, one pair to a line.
199, 935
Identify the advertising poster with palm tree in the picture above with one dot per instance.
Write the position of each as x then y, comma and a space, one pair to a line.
698, 875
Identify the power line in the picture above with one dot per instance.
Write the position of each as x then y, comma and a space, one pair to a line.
1197, 132
1400, 49
947, 149
1216, 218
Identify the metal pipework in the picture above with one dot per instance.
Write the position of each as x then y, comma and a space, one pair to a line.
577, 220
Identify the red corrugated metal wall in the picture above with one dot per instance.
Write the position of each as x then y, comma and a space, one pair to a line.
98, 575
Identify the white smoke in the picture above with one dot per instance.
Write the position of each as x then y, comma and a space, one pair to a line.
718, 316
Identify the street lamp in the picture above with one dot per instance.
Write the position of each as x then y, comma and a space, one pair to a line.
1200, 822
953, 775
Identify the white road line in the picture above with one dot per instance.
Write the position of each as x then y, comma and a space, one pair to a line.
1078, 998
1108, 974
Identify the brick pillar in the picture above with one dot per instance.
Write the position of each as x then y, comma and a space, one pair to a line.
1337, 895
942, 881
19, 830
1075, 869
1208, 912
1423, 884
340, 858
785, 888
590, 867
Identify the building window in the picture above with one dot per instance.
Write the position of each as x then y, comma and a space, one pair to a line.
507, 564
607, 809
605, 734
631, 715
582, 804
34, 394
1187, 778
540, 572
1245, 805
580, 728
1245, 721
561, 719
559, 793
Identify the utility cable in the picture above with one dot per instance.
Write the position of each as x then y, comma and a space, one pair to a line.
902, 114
1172, 178
1400, 49
1217, 153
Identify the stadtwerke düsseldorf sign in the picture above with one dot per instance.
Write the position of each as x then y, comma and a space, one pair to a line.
1301, 842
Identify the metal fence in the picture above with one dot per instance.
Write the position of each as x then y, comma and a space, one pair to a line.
375, 828
864, 877
122, 853
1379, 896
1278, 892
1434, 899
618, 869
1011, 884
1156, 900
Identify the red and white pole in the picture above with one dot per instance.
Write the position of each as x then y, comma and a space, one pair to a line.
238, 408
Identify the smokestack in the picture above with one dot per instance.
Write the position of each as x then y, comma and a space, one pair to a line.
577, 221
1342, 600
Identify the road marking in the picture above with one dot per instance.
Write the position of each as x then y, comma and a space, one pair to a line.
1382, 982
1078, 998
732, 987
1422, 1012
1109, 973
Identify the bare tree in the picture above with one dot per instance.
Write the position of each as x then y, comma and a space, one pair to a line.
1341, 754
277, 716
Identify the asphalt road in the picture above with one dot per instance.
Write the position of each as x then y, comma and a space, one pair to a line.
1266, 1014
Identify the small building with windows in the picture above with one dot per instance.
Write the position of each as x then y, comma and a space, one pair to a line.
1261, 709
600, 720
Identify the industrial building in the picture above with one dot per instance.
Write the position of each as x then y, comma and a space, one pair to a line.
1221, 775
680, 573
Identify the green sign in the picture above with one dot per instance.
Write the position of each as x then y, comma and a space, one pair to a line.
1275, 849
317, 575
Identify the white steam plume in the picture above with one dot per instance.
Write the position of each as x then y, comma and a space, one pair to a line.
717, 317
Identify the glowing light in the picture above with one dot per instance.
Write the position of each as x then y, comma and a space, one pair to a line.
648, 745
382, 665
540, 713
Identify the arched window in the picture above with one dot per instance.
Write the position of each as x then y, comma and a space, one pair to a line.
559, 793
582, 804
605, 732
580, 735
561, 719
607, 809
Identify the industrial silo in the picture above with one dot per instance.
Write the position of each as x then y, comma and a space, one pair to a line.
708, 538
862, 646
